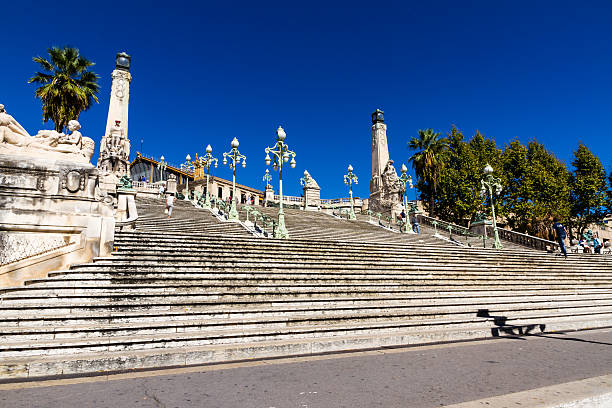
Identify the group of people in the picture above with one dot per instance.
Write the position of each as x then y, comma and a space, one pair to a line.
587, 246
414, 221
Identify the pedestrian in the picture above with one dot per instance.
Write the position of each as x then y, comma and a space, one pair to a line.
170, 204
415, 225
161, 191
561, 235
597, 245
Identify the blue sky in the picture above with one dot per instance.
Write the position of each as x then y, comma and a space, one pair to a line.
204, 72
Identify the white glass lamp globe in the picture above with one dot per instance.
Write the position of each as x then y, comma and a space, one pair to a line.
235, 143
350, 168
188, 158
280, 132
268, 160
208, 149
292, 163
162, 158
404, 168
488, 169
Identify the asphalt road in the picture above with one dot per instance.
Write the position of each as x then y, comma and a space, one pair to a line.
415, 377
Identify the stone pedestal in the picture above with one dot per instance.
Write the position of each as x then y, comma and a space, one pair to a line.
481, 227
126, 205
269, 195
171, 184
312, 198
51, 216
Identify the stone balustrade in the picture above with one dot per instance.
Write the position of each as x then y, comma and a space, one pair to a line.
524, 239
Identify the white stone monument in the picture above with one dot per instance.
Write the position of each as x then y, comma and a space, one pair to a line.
115, 146
312, 192
52, 214
385, 187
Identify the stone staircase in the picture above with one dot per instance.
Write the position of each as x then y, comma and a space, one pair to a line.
193, 290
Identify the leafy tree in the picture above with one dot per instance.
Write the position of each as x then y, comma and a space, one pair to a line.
67, 87
536, 188
458, 198
589, 189
426, 162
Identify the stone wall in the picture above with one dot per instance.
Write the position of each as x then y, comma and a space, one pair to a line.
50, 217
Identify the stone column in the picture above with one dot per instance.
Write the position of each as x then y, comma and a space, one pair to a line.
380, 151
115, 145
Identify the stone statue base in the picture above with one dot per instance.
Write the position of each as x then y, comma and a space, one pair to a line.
386, 207
51, 216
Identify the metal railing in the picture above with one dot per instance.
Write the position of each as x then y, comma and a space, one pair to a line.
455, 232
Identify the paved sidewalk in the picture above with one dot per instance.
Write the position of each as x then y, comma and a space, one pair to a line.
430, 376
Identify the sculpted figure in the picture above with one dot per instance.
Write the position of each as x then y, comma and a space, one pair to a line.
11, 131
14, 139
391, 184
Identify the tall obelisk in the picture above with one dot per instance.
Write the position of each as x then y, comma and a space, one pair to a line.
380, 151
384, 185
115, 145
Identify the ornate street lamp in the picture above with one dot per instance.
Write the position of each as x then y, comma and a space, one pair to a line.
493, 186
267, 178
206, 162
405, 179
187, 167
349, 180
162, 165
281, 154
235, 158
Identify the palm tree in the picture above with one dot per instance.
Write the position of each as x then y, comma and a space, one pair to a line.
67, 88
426, 161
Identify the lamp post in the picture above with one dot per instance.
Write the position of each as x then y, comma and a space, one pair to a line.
405, 179
493, 186
281, 154
162, 165
349, 180
267, 178
206, 162
235, 158
187, 167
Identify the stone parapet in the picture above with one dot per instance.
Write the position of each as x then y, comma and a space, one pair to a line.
51, 216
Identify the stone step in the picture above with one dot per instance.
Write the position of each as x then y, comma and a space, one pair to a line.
69, 346
144, 280
14, 335
41, 366
137, 304
33, 292
36, 318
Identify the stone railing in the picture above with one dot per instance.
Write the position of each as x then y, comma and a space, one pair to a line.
144, 187
524, 239
514, 237
289, 199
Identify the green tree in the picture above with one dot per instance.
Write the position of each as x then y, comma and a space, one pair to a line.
536, 188
458, 197
589, 189
426, 162
67, 87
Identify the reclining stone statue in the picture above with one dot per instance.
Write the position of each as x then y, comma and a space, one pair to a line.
14, 139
